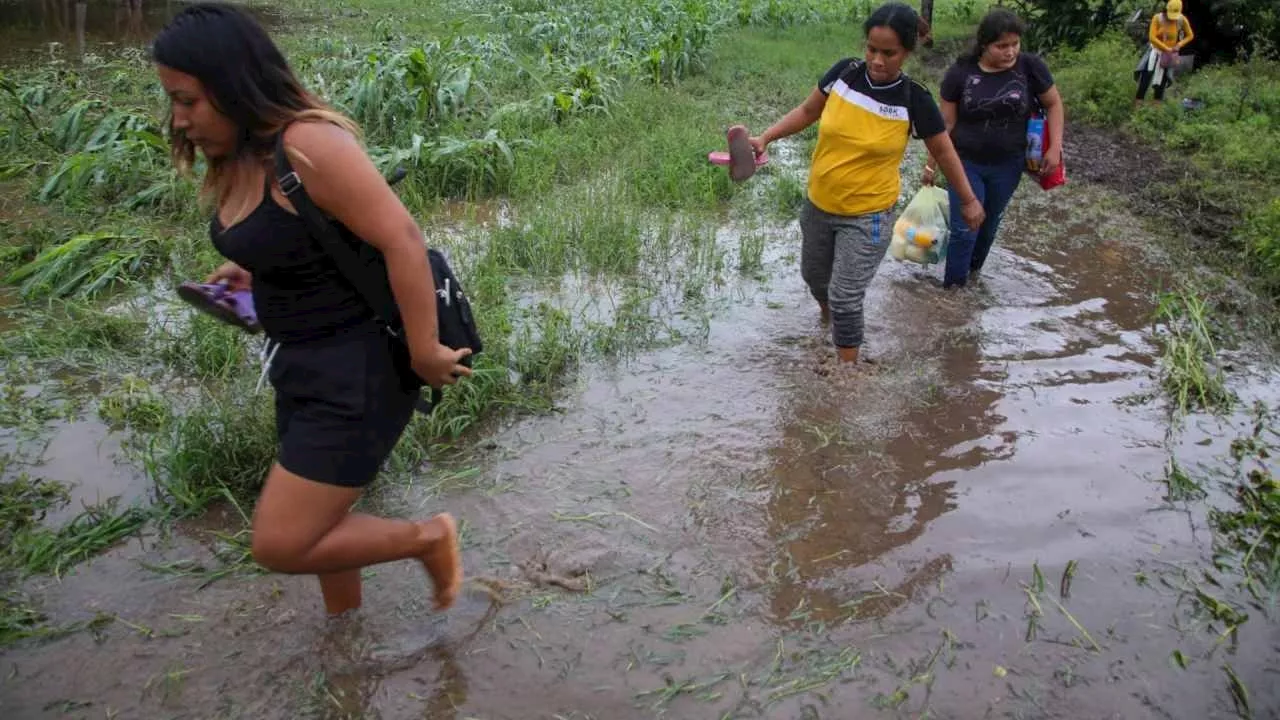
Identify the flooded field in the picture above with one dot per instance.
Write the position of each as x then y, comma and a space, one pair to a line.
974, 527
30, 27
997, 517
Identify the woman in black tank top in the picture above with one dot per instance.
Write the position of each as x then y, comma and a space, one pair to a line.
343, 393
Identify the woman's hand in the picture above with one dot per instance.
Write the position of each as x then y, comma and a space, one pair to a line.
1052, 159
236, 277
928, 176
973, 213
440, 365
799, 118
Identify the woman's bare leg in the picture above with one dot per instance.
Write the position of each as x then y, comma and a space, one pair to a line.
341, 591
328, 539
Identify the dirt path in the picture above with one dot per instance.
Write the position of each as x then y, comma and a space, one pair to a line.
756, 537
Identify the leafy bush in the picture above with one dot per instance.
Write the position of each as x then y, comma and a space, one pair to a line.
1097, 82
1070, 23
1262, 238
1240, 28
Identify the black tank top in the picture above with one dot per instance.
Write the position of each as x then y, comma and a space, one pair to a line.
298, 291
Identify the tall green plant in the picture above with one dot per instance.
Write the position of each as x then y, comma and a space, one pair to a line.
1073, 23
86, 264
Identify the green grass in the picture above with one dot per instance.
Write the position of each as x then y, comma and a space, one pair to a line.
220, 448
74, 335
135, 404
1231, 146
1189, 371
44, 550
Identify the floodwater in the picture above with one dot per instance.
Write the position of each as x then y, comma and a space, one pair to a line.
731, 529
30, 26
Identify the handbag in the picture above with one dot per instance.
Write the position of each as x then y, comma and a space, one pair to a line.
364, 267
1059, 174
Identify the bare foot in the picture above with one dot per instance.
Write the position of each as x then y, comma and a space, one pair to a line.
443, 559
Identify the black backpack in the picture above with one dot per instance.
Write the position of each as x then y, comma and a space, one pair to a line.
366, 270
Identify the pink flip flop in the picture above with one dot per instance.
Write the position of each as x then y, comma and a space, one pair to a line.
720, 157
742, 158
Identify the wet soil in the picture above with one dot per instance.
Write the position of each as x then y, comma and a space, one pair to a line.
1158, 186
743, 533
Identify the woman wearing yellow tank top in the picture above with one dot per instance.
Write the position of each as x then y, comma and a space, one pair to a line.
1169, 33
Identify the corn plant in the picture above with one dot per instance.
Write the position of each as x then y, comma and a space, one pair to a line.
22, 99
394, 93
663, 40
70, 129
86, 264
585, 91
451, 166
119, 155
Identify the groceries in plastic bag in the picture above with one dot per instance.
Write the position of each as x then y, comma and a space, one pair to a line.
920, 235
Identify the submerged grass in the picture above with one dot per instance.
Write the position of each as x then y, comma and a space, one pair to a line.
28, 546
1189, 368
1247, 535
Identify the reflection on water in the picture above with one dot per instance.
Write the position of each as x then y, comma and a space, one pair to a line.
79, 24
356, 657
847, 493
30, 25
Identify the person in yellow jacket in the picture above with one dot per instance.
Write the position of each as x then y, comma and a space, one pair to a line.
1169, 33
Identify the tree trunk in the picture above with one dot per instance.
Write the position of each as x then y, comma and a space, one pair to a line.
926, 14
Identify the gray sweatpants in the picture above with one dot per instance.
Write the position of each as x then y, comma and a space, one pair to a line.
838, 257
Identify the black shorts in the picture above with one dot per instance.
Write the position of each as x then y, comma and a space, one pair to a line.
342, 404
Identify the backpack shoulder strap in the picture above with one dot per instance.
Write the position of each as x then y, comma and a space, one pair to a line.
911, 106
353, 268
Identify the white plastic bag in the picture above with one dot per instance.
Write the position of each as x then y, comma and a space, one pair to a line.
920, 235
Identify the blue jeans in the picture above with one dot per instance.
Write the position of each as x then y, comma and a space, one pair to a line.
994, 185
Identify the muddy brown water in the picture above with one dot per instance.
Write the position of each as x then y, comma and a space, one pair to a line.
30, 26
758, 536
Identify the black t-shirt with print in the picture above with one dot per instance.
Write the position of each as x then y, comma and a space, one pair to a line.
992, 108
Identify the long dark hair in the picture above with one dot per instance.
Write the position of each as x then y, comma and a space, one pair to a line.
898, 17
247, 79
994, 25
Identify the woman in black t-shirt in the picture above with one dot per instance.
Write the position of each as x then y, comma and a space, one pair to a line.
987, 98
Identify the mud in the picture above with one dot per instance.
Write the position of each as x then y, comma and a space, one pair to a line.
749, 537
1158, 186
